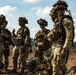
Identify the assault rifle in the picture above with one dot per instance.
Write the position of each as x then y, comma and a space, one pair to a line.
41, 66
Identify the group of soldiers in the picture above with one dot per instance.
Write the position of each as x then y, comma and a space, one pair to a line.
21, 42
59, 40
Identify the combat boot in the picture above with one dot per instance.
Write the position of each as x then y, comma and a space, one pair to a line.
13, 71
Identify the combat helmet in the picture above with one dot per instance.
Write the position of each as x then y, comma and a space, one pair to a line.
42, 21
23, 19
60, 4
2, 17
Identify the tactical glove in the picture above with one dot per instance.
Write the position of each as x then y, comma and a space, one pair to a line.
30, 50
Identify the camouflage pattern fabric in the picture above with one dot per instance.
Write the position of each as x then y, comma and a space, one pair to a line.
62, 33
21, 48
42, 43
2, 19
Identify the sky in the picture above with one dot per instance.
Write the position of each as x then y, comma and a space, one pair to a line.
33, 10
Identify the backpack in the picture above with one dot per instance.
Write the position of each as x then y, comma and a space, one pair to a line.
68, 16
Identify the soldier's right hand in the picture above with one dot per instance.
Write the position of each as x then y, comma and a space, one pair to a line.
13, 31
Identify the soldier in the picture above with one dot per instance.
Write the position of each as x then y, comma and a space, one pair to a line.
7, 42
21, 48
61, 38
53, 14
2, 20
41, 41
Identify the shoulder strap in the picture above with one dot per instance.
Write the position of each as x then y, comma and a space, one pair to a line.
67, 16
47, 31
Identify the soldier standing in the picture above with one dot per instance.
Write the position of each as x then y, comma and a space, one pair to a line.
2, 20
63, 35
7, 42
41, 41
21, 48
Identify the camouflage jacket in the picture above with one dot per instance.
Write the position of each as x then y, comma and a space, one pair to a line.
24, 32
41, 38
7, 36
63, 32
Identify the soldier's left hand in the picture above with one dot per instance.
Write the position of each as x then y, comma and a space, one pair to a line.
63, 53
30, 50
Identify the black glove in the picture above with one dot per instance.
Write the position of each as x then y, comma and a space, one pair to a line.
30, 50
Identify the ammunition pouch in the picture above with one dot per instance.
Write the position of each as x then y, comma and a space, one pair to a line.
18, 41
40, 42
43, 44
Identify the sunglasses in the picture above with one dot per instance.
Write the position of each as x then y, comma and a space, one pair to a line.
59, 9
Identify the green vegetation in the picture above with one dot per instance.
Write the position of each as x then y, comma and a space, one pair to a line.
74, 45
32, 42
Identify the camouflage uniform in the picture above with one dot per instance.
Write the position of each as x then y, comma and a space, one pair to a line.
22, 43
7, 42
41, 41
61, 38
2, 19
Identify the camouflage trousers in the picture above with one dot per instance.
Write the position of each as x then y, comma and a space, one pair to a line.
6, 57
40, 54
18, 52
1, 53
58, 63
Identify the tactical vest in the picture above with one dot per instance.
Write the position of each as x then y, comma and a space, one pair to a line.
7, 39
60, 29
42, 41
22, 32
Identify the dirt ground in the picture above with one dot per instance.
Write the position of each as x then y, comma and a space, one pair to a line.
72, 59
71, 62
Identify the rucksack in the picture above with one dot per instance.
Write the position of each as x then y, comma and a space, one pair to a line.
70, 17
